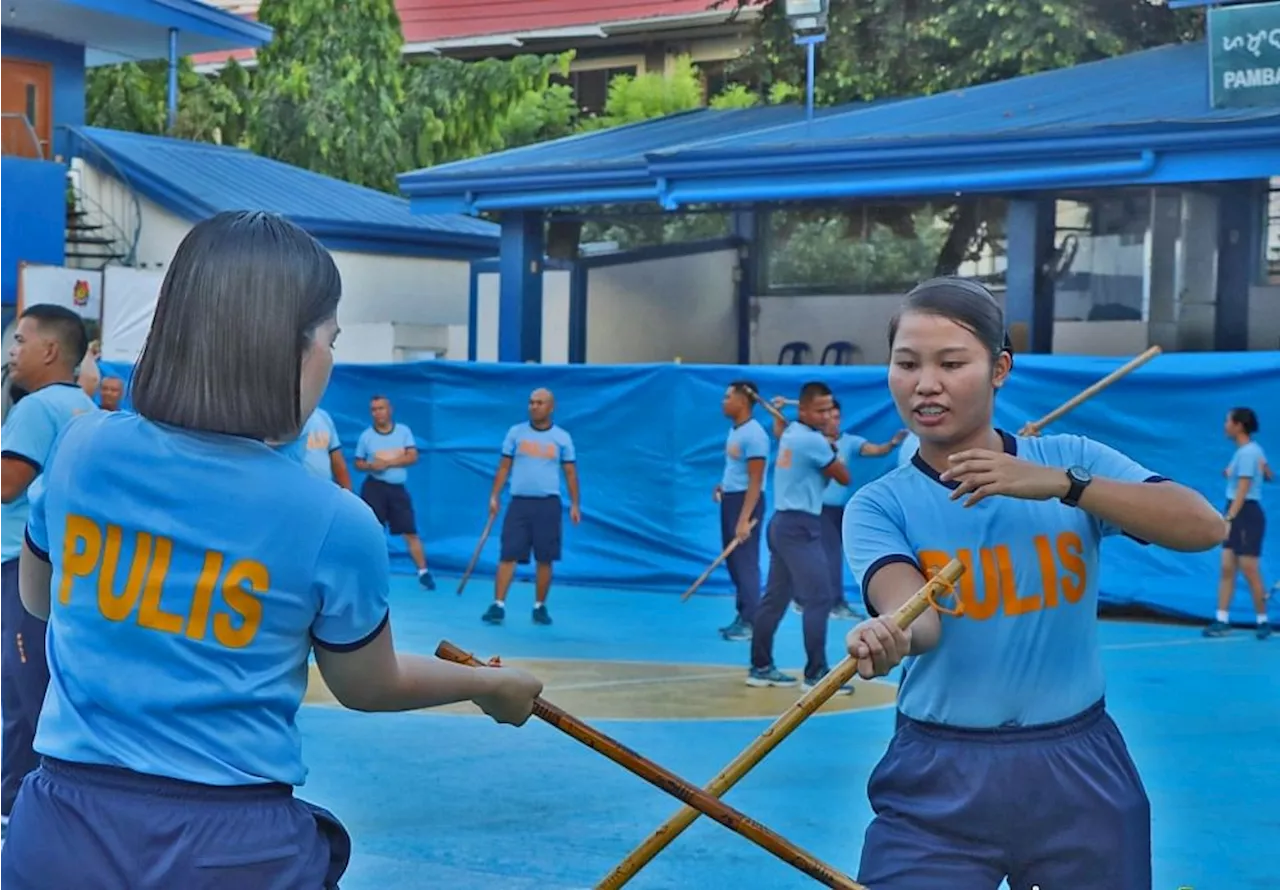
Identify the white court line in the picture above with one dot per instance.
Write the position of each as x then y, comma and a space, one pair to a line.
642, 681
1168, 644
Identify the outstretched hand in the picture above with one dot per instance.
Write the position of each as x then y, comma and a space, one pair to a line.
982, 473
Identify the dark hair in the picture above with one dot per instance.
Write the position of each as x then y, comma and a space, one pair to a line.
1246, 418
64, 326
745, 388
963, 301
814, 389
835, 403
379, 398
238, 306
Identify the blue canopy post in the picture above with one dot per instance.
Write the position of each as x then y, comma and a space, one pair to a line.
173, 80
1029, 297
520, 287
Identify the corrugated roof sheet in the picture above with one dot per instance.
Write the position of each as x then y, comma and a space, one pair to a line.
1168, 85
1149, 108
195, 180
626, 146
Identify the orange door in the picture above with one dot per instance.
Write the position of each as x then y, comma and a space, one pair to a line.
27, 91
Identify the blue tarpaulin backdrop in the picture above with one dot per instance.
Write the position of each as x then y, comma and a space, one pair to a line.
650, 449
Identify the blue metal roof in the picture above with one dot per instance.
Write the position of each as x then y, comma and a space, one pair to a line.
195, 180
611, 162
135, 30
1168, 86
1141, 118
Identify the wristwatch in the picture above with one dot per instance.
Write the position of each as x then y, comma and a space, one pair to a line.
1079, 478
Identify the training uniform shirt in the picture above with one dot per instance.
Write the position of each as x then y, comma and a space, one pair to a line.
848, 446
319, 440
536, 456
388, 446
1026, 650
746, 442
29, 432
191, 574
1246, 463
798, 480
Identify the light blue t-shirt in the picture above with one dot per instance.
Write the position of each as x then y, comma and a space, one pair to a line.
1026, 650
184, 608
391, 444
907, 450
798, 481
1246, 463
536, 456
28, 435
319, 441
746, 442
848, 446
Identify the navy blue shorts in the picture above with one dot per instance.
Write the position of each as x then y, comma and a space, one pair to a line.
102, 828
1059, 806
1247, 530
532, 525
24, 678
391, 504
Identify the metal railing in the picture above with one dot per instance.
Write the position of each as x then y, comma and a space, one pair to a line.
113, 204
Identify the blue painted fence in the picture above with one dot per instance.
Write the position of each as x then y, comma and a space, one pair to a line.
650, 444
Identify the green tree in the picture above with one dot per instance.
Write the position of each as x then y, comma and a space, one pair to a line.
632, 99
134, 96
239, 81
878, 49
541, 116
456, 109
329, 89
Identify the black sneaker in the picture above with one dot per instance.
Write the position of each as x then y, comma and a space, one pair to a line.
425, 579
738, 630
541, 615
495, 615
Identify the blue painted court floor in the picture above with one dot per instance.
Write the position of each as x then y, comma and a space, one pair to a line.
453, 800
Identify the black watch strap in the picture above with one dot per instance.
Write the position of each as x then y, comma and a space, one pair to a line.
1079, 480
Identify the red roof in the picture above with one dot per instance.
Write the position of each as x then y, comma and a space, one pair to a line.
431, 21
426, 21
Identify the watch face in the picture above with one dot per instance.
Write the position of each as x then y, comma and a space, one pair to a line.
1079, 474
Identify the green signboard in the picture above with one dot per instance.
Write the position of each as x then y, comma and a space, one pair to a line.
1244, 55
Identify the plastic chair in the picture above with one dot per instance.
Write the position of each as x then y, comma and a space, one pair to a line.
796, 352
842, 352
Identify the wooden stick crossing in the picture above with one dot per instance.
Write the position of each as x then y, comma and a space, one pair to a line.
669, 782
773, 736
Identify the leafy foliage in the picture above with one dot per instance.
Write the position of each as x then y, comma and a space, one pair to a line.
134, 96
457, 109
329, 88
877, 49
